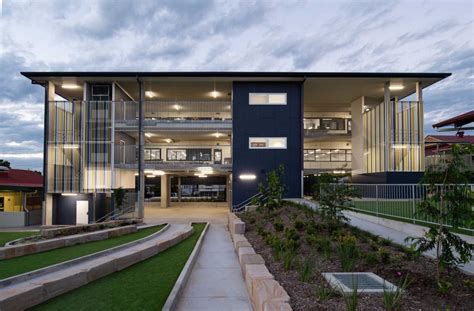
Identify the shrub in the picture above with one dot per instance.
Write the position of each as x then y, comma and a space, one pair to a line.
352, 300
371, 259
324, 292
306, 269
384, 255
298, 224
392, 300
469, 284
444, 286
347, 252
385, 242
291, 234
311, 239
288, 258
311, 228
374, 246
323, 245
278, 226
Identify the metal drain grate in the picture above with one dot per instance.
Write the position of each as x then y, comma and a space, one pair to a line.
367, 282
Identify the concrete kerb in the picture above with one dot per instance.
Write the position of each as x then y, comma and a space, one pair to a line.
265, 293
172, 300
35, 291
54, 268
12, 251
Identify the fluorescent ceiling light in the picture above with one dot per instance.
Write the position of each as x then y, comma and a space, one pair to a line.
168, 140
399, 146
148, 134
159, 173
217, 134
68, 194
214, 94
150, 94
150, 176
396, 87
318, 150
70, 86
202, 175
177, 107
247, 176
73, 146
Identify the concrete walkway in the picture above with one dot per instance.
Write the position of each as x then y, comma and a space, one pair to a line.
184, 213
216, 281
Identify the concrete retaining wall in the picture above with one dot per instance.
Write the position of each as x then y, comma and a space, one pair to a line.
46, 245
265, 293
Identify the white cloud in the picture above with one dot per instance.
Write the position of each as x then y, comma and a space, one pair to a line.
35, 155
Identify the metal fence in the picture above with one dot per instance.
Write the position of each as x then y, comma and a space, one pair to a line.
398, 201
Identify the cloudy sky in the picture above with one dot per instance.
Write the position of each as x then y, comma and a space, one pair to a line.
185, 35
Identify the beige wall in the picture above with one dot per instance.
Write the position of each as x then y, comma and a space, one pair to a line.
125, 178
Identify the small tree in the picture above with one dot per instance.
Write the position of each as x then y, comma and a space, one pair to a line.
5, 163
448, 200
334, 198
119, 196
271, 196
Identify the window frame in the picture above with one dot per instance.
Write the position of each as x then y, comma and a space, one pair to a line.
268, 94
267, 142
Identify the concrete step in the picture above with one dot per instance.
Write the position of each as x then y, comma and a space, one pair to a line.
32, 288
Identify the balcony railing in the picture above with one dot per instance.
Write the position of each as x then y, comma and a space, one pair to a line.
126, 112
174, 157
319, 126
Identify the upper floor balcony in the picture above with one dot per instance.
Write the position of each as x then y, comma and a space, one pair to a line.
175, 115
315, 127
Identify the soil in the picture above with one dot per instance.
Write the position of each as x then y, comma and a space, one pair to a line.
380, 256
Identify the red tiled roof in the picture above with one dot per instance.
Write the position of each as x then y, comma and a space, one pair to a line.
21, 178
449, 139
457, 121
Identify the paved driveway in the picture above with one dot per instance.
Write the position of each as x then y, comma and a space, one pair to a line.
215, 213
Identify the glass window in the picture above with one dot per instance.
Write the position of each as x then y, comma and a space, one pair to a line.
338, 155
267, 142
152, 154
333, 124
323, 155
267, 99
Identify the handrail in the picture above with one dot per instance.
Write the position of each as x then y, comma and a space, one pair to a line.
115, 213
241, 206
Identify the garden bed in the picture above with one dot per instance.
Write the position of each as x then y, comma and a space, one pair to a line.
319, 248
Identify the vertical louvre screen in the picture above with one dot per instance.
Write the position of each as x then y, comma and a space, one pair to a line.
393, 137
79, 146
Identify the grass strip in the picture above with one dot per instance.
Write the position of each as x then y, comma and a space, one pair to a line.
18, 265
143, 286
6, 237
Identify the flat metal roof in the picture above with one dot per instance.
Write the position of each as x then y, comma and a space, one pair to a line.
229, 74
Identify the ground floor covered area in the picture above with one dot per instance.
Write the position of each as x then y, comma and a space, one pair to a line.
186, 212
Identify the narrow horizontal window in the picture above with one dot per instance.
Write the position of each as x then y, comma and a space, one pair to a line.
267, 142
267, 99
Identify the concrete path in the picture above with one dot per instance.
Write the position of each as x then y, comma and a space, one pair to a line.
216, 281
214, 213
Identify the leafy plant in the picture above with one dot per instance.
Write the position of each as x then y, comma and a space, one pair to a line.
352, 300
323, 245
271, 194
311, 228
291, 234
347, 252
324, 292
448, 200
335, 198
306, 268
371, 258
444, 286
278, 226
384, 255
469, 284
392, 300
288, 258
298, 224
119, 196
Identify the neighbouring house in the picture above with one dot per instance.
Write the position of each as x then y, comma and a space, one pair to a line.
438, 147
175, 135
21, 195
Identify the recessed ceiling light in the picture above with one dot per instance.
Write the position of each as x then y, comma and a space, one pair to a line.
168, 140
396, 87
214, 94
70, 86
150, 94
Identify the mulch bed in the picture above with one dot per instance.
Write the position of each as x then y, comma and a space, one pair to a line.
388, 260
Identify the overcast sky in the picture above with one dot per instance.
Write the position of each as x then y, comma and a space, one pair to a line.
139, 35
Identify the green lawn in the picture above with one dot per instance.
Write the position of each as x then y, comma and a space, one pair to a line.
143, 286
18, 265
6, 237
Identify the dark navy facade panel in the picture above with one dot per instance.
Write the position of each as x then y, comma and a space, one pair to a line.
266, 121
